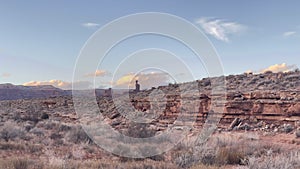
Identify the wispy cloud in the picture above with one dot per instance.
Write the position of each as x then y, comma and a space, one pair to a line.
147, 80
61, 84
5, 75
283, 67
90, 25
97, 73
219, 28
288, 34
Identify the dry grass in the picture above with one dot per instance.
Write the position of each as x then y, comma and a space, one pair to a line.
23, 163
77, 135
229, 155
219, 151
21, 147
73, 147
202, 166
275, 161
222, 150
16, 163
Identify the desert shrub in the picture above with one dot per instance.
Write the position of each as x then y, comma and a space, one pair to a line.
186, 159
33, 148
109, 164
63, 127
58, 163
48, 125
27, 147
297, 133
152, 149
29, 125
222, 150
55, 136
229, 155
44, 116
143, 152
34, 112
58, 142
30, 116
159, 157
78, 135
37, 131
279, 161
139, 130
20, 163
10, 131
11, 146
202, 166
202, 154
53, 125
17, 116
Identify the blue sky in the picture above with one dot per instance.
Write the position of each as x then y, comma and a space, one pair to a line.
40, 40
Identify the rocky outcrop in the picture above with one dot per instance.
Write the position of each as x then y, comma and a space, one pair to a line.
272, 98
269, 97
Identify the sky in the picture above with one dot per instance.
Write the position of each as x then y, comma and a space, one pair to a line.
40, 41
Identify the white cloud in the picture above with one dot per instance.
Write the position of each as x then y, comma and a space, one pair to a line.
288, 34
220, 29
61, 84
90, 25
5, 75
97, 73
146, 80
283, 67
279, 68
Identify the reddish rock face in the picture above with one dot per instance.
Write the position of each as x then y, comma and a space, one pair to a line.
257, 108
294, 109
272, 109
259, 105
267, 97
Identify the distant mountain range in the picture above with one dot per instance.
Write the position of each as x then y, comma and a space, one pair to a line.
13, 92
9, 91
